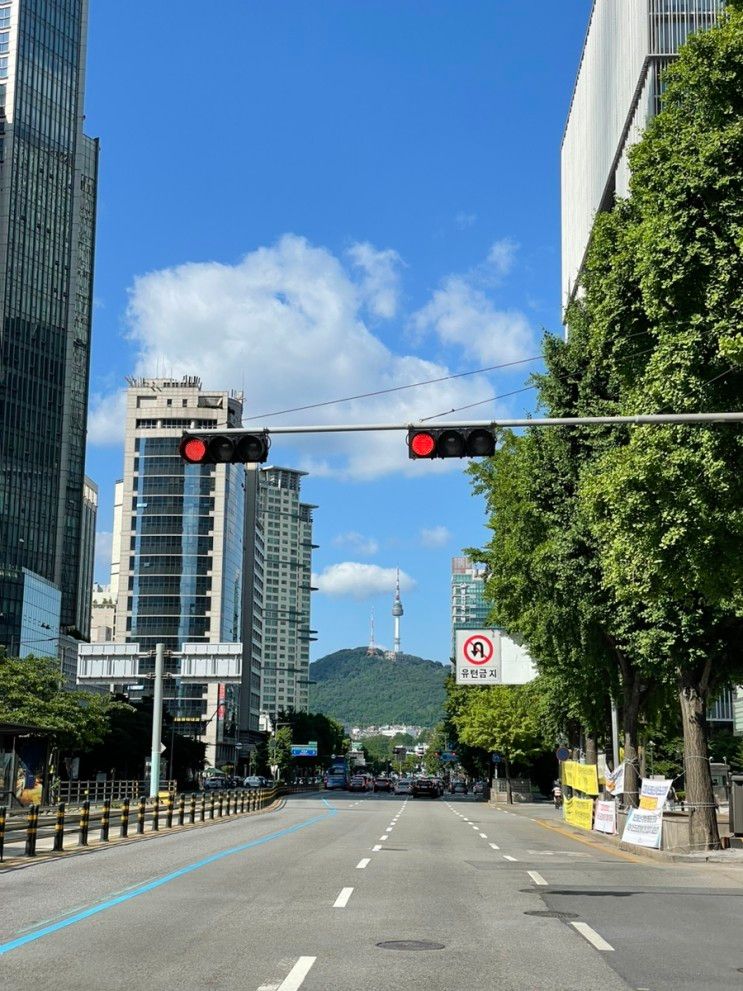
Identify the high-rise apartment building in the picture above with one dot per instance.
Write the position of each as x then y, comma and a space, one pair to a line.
617, 92
179, 558
286, 525
87, 558
48, 177
469, 610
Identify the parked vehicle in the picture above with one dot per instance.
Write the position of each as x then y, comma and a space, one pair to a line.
458, 788
214, 784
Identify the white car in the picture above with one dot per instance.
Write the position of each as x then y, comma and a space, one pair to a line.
404, 786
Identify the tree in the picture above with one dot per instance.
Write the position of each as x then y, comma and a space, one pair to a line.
666, 506
280, 748
31, 693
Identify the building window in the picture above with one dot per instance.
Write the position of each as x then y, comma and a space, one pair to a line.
4, 41
4, 67
4, 17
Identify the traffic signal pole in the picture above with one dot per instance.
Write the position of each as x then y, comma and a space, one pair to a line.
546, 421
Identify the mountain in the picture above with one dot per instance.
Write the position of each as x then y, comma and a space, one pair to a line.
359, 689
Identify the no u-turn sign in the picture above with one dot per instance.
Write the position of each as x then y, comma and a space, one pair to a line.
478, 657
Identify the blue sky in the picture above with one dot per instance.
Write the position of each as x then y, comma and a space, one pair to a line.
309, 201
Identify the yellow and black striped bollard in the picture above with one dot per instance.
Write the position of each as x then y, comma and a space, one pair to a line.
155, 813
212, 800
203, 807
32, 825
84, 822
192, 810
181, 809
169, 811
105, 820
141, 814
125, 818
3, 816
59, 829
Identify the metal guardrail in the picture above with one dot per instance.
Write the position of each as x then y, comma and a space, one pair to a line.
74, 792
58, 826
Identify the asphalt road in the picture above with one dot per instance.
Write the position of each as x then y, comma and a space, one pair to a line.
302, 898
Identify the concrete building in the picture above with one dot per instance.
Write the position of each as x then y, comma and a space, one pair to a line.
102, 615
286, 525
617, 92
48, 179
469, 610
179, 554
87, 558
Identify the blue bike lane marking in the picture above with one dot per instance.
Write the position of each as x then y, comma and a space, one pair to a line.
143, 889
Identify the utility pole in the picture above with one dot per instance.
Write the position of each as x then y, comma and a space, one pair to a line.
157, 720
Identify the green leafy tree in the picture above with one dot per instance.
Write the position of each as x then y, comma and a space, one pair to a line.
280, 748
31, 693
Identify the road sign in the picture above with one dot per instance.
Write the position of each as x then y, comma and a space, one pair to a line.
478, 657
304, 749
496, 758
562, 753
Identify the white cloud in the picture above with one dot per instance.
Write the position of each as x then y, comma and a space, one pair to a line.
502, 255
462, 315
463, 220
354, 580
102, 567
380, 285
285, 324
435, 536
367, 546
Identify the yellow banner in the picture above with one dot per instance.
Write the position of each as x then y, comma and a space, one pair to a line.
582, 777
579, 812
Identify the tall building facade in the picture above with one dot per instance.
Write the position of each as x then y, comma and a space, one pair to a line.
617, 92
179, 557
286, 526
48, 178
87, 558
469, 610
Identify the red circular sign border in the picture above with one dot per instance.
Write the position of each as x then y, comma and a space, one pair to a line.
487, 660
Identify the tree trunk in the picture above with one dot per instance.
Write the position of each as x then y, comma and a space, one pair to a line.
700, 799
592, 752
630, 721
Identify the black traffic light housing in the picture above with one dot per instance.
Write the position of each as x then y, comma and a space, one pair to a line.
214, 448
451, 442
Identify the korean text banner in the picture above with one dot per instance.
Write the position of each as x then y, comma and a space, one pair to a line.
653, 794
579, 812
605, 820
615, 781
582, 777
643, 828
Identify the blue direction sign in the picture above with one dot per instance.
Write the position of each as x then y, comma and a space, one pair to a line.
304, 749
562, 753
497, 758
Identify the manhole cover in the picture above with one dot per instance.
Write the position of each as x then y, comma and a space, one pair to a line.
546, 914
410, 944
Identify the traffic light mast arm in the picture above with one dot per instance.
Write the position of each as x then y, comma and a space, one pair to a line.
555, 421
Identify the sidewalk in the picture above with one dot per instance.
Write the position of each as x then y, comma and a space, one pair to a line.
551, 818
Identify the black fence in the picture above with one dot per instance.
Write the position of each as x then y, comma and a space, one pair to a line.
59, 829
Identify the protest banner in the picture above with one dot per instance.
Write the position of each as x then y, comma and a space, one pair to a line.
579, 812
643, 828
581, 777
605, 817
615, 781
653, 794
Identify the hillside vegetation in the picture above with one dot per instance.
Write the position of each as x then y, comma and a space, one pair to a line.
362, 690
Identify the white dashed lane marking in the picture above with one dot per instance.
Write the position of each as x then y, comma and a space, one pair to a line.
362, 863
592, 936
342, 899
536, 877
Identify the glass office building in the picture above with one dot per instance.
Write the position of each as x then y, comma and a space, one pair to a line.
179, 556
48, 175
469, 609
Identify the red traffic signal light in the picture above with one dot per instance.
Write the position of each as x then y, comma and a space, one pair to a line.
233, 448
451, 442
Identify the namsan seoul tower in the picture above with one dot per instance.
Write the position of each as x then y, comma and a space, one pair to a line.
397, 612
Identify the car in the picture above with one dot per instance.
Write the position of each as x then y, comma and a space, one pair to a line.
404, 786
254, 781
382, 784
425, 786
459, 788
357, 783
214, 784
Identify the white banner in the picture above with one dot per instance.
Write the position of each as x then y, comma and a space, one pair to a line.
615, 781
653, 794
643, 828
605, 817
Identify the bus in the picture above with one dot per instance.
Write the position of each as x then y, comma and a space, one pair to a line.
338, 774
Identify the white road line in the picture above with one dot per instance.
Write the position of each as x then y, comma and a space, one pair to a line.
342, 899
362, 863
295, 978
506, 857
466, 820
536, 877
268, 987
484, 835
377, 848
383, 838
592, 936
494, 846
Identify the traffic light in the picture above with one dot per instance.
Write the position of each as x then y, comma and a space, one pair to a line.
216, 449
451, 442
